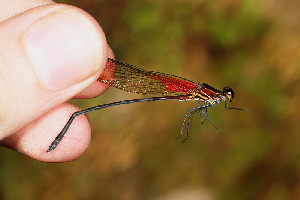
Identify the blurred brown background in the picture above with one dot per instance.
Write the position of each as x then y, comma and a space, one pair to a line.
250, 45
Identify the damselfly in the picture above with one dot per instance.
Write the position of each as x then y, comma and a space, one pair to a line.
168, 87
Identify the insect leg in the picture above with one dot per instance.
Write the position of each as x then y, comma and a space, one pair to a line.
188, 113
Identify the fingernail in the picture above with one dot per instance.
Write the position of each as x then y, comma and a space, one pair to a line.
64, 47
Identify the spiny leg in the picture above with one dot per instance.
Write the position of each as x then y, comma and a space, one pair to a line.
206, 117
227, 108
189, 114
189, 122
200, 114
186, 115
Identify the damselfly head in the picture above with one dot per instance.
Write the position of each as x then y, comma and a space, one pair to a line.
228, 92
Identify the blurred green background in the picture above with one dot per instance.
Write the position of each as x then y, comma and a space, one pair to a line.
250, 45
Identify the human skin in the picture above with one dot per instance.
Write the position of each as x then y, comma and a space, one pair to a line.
49, 53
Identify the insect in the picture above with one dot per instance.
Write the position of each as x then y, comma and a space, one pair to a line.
168, 87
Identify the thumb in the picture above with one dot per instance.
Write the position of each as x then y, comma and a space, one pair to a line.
47, 55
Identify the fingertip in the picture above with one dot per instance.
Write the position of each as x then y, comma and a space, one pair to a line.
35, 139
78, 47
97, 88
93, 91
27, 63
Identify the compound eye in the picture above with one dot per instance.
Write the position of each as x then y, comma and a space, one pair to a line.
228, 92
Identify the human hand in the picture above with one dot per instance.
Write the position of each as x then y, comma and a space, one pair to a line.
48, 54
